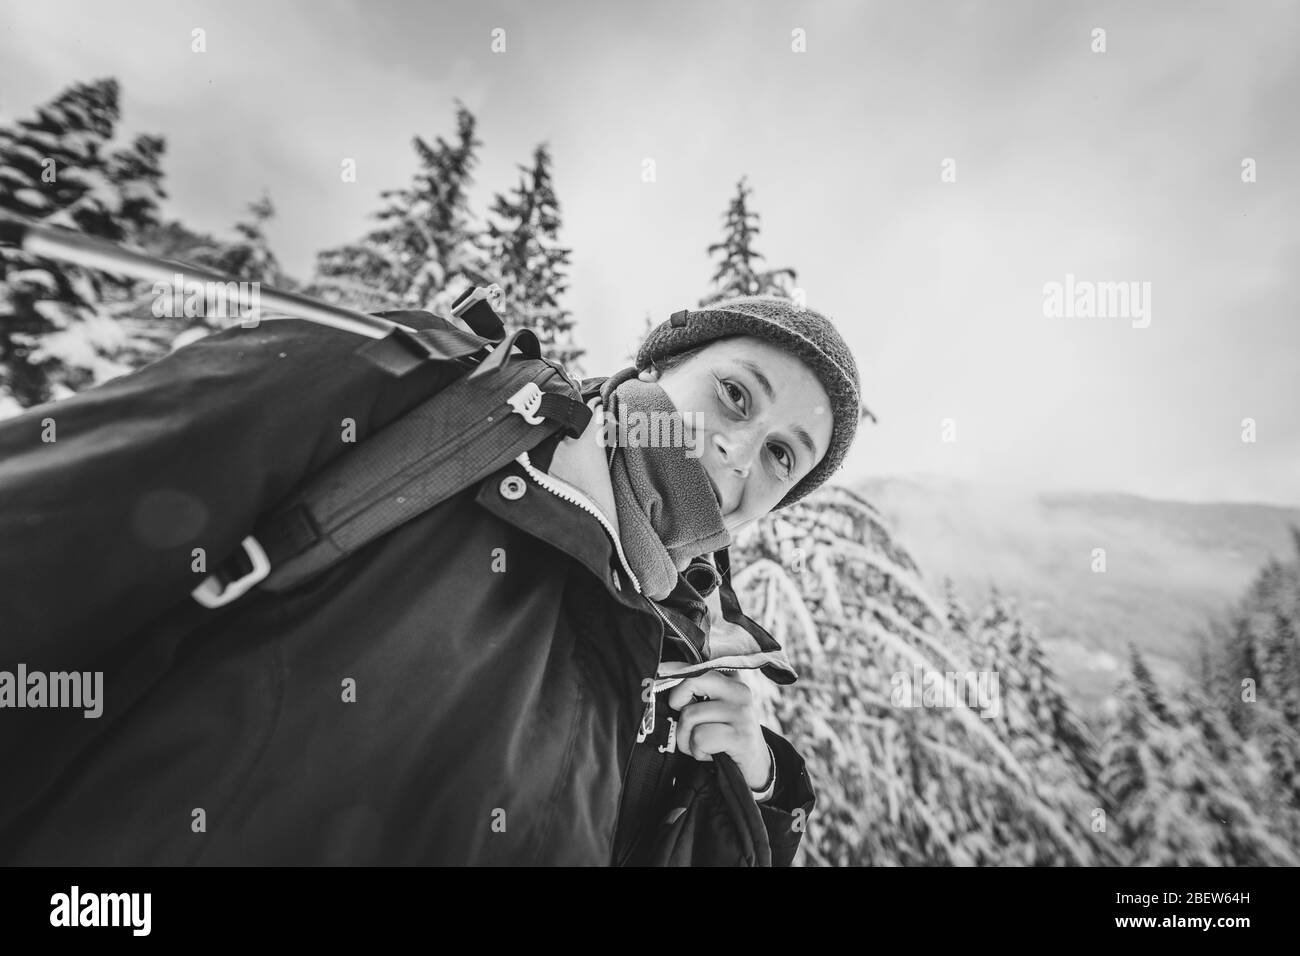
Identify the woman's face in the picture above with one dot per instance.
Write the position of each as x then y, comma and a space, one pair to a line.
759, 407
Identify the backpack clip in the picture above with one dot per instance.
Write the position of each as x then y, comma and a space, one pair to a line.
211, 593
527, 401
478, 307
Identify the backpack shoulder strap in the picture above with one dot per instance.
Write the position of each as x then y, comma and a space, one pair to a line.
462, 434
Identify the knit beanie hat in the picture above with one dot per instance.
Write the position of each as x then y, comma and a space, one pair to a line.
809, 335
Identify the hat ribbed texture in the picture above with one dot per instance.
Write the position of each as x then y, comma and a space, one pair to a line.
809, 335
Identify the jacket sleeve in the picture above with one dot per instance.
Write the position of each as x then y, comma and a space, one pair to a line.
106, 494
786, 813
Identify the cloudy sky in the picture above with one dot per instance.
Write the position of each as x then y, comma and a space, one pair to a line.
1115, 166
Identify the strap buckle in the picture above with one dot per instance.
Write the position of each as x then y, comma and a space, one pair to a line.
211, 593
493, 294
527, 401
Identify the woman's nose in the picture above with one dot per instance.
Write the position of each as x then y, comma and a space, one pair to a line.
737, 455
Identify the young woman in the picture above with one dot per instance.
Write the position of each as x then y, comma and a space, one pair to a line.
523, 674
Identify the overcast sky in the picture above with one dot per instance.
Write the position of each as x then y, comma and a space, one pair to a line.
1122, 166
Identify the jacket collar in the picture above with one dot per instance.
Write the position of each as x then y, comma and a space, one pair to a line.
581, 463
710, 617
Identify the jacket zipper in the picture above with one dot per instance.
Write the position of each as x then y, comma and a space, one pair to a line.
699, 658
575, 497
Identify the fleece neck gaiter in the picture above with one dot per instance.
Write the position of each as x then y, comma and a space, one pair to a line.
667, 513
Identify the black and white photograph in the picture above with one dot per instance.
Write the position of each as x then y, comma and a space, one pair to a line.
734, 433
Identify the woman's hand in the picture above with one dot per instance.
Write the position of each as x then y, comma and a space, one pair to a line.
725, 723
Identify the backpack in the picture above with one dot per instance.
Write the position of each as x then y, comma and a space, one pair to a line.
484, 419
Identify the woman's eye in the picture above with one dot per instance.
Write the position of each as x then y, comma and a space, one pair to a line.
786, 462
734, 391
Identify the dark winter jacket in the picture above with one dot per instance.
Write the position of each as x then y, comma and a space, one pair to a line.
467, 689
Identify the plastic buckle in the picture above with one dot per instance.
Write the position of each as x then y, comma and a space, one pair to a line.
211, 594
493, 293
647, 719
526, 401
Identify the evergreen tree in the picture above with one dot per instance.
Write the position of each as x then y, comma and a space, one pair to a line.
1223, 781
958, 616
736, 273
1183, 785
1124, 759
249, 258
356, 275
174, 240
424, 241
1250, 674
903, 784
528, 262
1145, 685
898, 784
137, 173
57, 332
1039, 718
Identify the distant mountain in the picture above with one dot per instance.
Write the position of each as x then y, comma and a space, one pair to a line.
1168, 566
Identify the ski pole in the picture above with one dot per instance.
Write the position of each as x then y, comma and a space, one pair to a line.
397, 348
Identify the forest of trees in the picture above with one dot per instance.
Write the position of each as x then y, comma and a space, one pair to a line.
1200, 775
63, 328
1203, 774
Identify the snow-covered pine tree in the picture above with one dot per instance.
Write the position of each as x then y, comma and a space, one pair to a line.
1041, 726
356, 275
1183, 789
526, 258
442, 214
737, 273
424, 238
176, 241
1145, 685
902, 784
1225, 780
1250, 673
897, 783
56, 332
1269, 620
1127, 766
137, 173
247, 258
1037, 702
959, 620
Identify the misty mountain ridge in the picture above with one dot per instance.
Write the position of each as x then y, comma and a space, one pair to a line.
1169, 565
